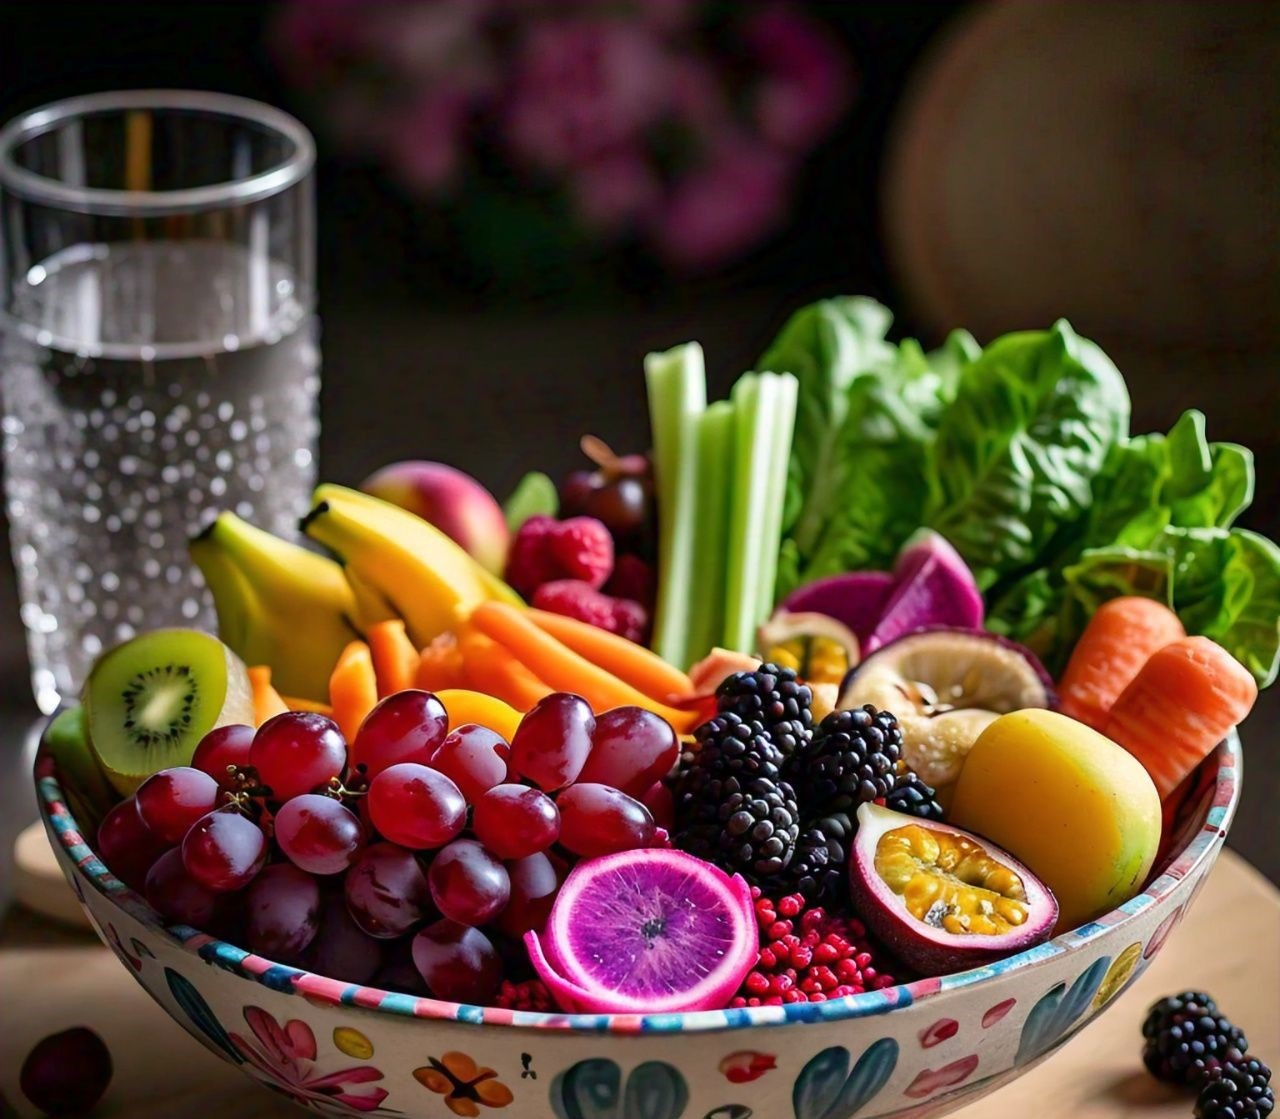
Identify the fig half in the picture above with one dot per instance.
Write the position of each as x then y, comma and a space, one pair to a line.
941, 898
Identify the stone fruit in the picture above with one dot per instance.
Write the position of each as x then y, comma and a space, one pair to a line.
942, 899
454, 502
646, 932
946, 686
1074, 806
67, 1073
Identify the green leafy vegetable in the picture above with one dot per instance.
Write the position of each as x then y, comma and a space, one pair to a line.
1031, 426
535, 495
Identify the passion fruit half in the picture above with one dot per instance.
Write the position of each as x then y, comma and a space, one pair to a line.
941, 898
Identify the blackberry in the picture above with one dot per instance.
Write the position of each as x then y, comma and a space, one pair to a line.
852, 759
819, 869
913, 797
1188, 1041
758, 828
1239, 1091
728, 752
773, 697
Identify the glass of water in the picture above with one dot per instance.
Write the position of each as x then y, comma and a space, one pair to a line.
158, 357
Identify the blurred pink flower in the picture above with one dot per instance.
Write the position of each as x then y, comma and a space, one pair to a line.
695, 93
617, 192
312, 36
425, 41
582, 87
426, 146
804, 83
726, 204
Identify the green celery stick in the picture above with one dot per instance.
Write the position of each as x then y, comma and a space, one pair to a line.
715, 433
756, 400
783, 430
677, 386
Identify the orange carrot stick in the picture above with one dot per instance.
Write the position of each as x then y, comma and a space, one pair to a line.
633, 664
353, 688
561, 667
492, 669
266, 700
440, 665
395, 660
1119, 639
296, 703
1179, 706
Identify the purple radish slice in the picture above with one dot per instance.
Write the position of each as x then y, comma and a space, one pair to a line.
856, 599
646, 932
933, 586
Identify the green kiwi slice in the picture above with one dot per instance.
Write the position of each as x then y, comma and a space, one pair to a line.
152, 699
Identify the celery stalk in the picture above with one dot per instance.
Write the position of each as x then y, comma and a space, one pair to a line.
783, 431
677, 387
715, 448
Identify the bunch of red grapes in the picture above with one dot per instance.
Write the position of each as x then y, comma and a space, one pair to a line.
412, 857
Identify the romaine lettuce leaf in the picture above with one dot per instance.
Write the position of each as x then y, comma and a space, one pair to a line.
1032, 424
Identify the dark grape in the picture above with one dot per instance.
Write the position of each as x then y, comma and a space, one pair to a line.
282, 912
474, 758
318, 834
224, 850
468, 884
387, 892
224, 751
553, 741
599, 820
296, 752
513, 821
416, 806
177, 896
66, 1073
457, 963
534, 883
630, 750
127, 846
341, 949
170, 801
407, 726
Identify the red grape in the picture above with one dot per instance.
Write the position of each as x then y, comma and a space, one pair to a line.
551, 745
222, 752
341, 949
405, 727
458, 963
319, 834
660, 802
534, 883
599, 819
398, 971
170, 801
296, 752
630, 749
468, 884
66, 1073
127, 845
282, 912
387, 892
175, 895
415, 806
224, 850
513, 821
474, 758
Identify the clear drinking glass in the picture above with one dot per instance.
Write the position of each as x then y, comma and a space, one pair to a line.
158, 356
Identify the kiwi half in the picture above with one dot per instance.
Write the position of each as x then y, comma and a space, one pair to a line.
151, 700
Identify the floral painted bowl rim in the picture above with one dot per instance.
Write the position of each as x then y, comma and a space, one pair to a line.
1218, 776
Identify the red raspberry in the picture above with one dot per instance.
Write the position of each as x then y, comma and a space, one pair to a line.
630, 620
530, 562
532, 994
634, 579
582, 548
576, 599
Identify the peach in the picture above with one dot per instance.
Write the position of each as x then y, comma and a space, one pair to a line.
454, 502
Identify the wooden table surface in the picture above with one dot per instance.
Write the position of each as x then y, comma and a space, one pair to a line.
1229, 944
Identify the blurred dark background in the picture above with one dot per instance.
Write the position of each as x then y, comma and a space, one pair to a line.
990, 165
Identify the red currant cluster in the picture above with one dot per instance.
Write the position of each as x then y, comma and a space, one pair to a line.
410, 842
807, 955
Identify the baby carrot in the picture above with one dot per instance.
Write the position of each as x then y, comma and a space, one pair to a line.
1119, 639
634, 664
1179, 706
440, 665
266, 700
493, 669
561, 667
395, 660
353, 688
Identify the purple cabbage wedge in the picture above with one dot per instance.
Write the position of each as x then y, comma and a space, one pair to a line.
932, 586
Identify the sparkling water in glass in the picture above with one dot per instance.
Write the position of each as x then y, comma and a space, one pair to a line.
158, 355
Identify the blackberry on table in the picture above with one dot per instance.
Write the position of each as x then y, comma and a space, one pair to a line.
852, 759
774, 697
1188, 1041
1238, 1091
758, 829
912, 796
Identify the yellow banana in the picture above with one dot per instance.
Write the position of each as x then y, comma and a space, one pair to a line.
278, 603
406, 561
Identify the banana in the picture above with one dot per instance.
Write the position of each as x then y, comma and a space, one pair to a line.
402, 559
278, 604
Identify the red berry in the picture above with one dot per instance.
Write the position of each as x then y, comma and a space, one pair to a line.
532, 994
514, 821
529, 560
582, 548
416, 806
576, 599
319, 834
407, 726
553, 741
633, 579
474, 758
630, 620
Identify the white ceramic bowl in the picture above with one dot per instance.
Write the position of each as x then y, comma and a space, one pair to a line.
918, 1049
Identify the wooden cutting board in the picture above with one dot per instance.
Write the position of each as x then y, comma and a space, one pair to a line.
1229, 944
